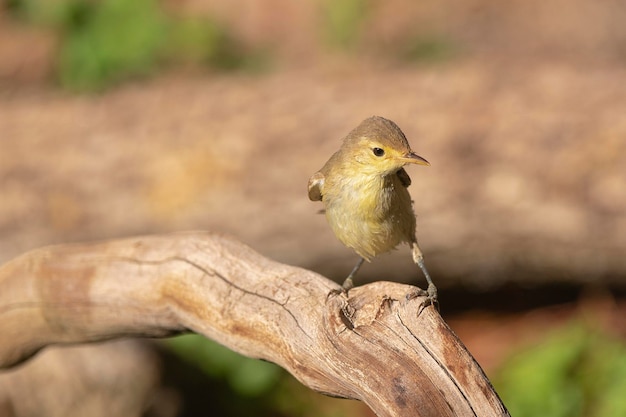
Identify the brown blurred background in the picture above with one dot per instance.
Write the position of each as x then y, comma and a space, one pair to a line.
519, 106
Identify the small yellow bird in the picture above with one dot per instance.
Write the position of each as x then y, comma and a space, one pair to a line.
364, 190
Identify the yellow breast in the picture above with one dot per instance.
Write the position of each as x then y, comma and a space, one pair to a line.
371, 214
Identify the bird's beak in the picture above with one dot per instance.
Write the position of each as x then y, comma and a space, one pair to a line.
413, 158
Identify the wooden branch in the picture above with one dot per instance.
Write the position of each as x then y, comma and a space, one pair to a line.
371, 346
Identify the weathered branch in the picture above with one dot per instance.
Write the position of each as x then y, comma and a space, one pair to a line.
372, 346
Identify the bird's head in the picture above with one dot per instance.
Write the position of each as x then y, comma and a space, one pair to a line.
379, 146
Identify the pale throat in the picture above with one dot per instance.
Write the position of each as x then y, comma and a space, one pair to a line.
372, 193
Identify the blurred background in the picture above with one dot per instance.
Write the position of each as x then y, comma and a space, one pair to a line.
121, 118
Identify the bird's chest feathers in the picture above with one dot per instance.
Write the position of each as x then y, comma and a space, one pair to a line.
376, 196
370, 214
373, 197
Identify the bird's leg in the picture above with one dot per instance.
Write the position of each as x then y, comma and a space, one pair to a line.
348, 283
431, 292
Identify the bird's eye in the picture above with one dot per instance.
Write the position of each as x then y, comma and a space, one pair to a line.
378, 151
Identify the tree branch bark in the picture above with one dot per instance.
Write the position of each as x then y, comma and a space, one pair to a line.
374, 346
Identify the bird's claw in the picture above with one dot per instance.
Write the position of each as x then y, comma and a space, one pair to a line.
336, 292
347, 285
430, 294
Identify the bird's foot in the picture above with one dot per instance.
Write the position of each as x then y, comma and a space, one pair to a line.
430, 300
347, 285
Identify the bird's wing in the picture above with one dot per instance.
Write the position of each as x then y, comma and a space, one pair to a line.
316, 186
404, 178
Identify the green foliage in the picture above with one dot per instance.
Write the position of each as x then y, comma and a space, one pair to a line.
575, 372
205, 42
424, 49
107, 41
343, 21
33, 11
117, 39
247, 377
200, 41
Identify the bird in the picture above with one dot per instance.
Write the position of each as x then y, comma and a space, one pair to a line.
363, 187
